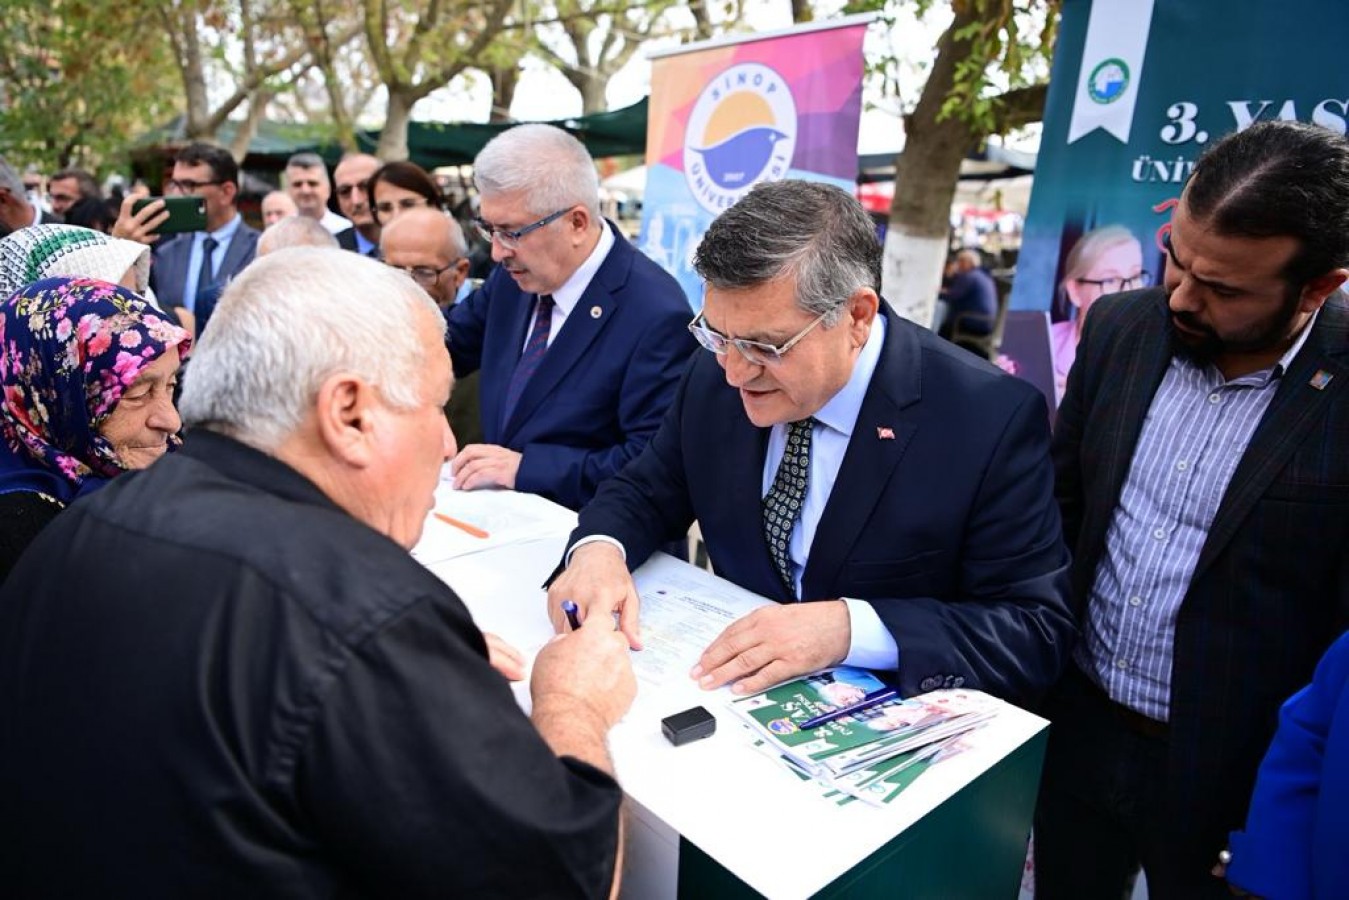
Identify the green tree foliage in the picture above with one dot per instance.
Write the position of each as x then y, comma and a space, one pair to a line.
79, 79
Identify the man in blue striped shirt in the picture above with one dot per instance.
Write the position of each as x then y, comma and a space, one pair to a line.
1202, 458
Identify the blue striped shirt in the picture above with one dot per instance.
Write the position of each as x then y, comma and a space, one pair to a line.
1195, 434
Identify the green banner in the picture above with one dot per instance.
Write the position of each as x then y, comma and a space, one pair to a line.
1137, 90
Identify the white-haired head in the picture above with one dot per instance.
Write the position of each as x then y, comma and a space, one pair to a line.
295, 231
542, 163
287, 323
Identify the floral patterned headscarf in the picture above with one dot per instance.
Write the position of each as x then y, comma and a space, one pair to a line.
71, 347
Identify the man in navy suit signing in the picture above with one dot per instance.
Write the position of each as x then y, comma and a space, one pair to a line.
834, 453
579, 337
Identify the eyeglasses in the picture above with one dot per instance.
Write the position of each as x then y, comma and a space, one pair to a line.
388, 207
511, 239
344, 190
1115, 285
756, 353
425, 275
188, 186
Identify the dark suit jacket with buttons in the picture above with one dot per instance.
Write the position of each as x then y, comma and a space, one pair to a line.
942, 516
1270, 590
168, 273
605, 382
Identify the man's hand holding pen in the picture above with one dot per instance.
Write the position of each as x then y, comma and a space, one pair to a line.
597, 581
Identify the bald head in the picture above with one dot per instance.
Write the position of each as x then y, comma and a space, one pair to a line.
429, 245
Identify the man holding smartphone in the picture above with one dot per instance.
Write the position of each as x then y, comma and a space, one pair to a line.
190, 269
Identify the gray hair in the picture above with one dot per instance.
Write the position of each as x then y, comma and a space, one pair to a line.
552, 169
307, 160
10, 180
289, 321
816, 232
295, 231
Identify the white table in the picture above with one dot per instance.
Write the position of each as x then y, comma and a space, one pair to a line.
768, 829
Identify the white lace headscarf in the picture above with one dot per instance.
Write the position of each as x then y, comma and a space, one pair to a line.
49, 251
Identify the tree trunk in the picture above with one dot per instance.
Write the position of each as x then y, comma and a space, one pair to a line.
593, 98
918, 237
393, 141
504, 82
802, 12
257, 109
198, 125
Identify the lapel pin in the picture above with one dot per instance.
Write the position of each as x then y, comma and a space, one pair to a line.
885, 434
1321, 379
596, 312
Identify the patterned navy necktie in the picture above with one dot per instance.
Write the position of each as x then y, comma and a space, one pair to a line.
531, 357
782, 504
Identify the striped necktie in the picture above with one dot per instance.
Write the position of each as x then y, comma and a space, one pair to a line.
531, 357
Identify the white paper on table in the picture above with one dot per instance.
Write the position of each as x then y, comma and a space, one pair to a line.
507, 517
683, 609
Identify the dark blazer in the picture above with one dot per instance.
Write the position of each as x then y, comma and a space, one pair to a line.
346, 239
169, 270
943, 513
1270, 590
600, 392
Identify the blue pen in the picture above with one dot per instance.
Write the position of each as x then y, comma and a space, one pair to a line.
875, 698
571, 609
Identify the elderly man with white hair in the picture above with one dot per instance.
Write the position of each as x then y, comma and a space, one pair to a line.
226, 677
580, 338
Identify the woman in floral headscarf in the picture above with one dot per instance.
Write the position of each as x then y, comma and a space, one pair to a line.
87, 373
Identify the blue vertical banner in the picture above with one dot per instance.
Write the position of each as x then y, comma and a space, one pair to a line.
1138, 89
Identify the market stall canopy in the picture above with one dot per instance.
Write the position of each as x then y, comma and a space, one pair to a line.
430, 144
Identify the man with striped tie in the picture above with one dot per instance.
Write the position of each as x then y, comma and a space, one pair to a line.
579, 337
833, 453
1203, 477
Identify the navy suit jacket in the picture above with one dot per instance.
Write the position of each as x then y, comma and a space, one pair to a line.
605, 382
942, 516
1270, 589
168, 273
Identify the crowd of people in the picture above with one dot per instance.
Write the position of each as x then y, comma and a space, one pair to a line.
221, 671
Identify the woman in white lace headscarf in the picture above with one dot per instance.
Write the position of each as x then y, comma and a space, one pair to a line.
48, 251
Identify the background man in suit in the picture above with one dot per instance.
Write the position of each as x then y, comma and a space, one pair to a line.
429, 245
834, 453
68, 187
580, 338
276, 206
1204, 483
351, 176
309, 186
190, 270
16, 210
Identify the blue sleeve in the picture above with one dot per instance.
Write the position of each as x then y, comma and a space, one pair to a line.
1273, 856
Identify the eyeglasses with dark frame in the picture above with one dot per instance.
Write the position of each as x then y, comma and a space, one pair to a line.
1115, 285
511, 239
189, 186
756, 353
425, 275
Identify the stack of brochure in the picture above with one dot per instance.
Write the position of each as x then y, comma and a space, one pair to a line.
871, 754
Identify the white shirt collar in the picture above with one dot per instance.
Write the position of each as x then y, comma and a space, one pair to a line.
840, 413
567, 296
